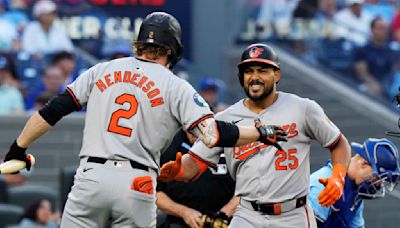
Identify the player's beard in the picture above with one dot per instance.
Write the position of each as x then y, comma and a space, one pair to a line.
266, 93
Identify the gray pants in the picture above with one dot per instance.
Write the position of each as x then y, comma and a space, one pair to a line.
103, 191
302, 217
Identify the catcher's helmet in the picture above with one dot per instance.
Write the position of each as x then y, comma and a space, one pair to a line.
257, 54
383, 157
162, 29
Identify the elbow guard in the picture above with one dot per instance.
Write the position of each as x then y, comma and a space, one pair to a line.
208, 131
58, 107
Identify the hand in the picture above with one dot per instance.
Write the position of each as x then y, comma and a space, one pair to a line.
14, 180
333, 186
192, 218
170, 170
374, 88
18, 153
270, 134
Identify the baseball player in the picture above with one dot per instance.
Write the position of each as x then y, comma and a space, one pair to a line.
374, 169
135, 105
272, 183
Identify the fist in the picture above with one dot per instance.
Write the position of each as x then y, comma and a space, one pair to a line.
170, 170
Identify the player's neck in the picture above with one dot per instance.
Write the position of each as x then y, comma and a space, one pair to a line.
259, 106
163, 60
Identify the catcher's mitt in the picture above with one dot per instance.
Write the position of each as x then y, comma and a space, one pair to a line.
219, 220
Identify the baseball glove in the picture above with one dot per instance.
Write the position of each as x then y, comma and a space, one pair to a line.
218, 220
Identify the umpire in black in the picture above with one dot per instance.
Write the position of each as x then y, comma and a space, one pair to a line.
190, 204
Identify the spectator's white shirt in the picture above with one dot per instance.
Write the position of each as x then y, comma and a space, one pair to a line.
36, 40
355, 29
8, 33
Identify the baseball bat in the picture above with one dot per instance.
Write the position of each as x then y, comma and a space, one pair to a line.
13, 166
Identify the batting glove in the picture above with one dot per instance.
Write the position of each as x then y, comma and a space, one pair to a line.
171, 170
333, 186
18, 153
270, 134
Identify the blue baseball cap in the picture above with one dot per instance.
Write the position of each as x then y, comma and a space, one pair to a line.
208, 83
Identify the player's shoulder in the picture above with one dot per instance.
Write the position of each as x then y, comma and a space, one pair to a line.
231, 112
294, 99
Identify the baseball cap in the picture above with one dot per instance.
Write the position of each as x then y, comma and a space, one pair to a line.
208, 84
351, 2
44, 7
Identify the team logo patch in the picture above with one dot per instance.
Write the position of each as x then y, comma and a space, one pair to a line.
199, 100
255, 52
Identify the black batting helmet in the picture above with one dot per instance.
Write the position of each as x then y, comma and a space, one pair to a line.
257, 54
162, 29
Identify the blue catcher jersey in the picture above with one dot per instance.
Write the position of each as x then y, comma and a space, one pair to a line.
346, 212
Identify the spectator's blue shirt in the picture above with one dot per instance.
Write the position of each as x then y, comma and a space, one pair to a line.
31, 98
380, 60
345, 212
11, 100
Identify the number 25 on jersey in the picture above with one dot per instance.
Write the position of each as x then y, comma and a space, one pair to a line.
113, 126
285, 160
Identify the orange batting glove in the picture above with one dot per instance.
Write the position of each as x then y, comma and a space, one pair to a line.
333, 186
171, 170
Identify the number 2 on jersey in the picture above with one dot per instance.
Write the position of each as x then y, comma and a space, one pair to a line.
123, 113
282, 156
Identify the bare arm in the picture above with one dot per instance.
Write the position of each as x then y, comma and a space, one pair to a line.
34, 128
247, 135
230, 208
189, 168
341, 152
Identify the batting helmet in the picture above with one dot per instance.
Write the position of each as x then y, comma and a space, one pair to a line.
383, 157
257, 54
164, 30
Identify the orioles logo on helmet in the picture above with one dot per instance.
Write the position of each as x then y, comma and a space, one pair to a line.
255, 52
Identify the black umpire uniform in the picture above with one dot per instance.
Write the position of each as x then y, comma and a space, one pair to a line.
208, 194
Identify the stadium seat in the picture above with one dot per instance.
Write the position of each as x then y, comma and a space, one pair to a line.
336, 54
66, 181
25, 196
10, 214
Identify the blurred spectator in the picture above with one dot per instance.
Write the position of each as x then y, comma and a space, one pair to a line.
277, 14
120, 53
10, 74
374, 63
7, 181
396, 27
41, 100
208, 89
11, 100
380, 8
67, 63
324, 17
9, 33
46, 35
52, 83
40, 215
353, 23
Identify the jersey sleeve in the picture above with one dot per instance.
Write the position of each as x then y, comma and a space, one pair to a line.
209, 156
80, 88
316, 188
319, 126
188, 107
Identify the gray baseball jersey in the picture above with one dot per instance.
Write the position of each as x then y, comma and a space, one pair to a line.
263, 173
134, 109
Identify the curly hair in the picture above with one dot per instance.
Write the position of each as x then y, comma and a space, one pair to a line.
140, 48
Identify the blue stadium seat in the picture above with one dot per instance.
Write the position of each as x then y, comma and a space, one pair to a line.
336, 55
25, 196
10, 214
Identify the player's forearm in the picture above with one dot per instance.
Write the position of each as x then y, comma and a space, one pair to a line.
34, 128
341, 153
230, 208
247, 135
169, 206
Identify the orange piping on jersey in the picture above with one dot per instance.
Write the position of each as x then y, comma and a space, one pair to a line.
127, 76
199, 120
196, 157
334, 143
108, 81
117, 76
100, 84
308, 219
73, 97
